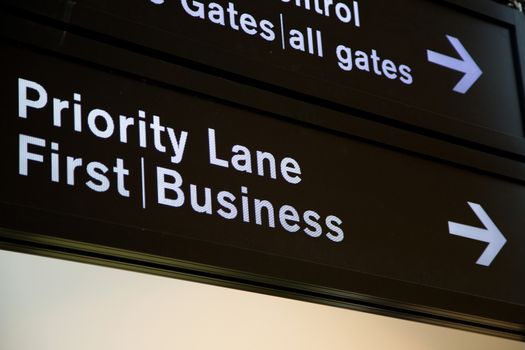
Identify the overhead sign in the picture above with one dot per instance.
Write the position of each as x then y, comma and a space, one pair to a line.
424, 62
107, 151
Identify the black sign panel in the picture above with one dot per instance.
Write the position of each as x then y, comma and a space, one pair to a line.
425, 62
164, 165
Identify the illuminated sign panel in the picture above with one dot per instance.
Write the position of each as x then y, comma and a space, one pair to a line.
211, 167
428, 63
114, 151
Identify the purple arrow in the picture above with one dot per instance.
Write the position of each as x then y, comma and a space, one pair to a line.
464, 65
489, 234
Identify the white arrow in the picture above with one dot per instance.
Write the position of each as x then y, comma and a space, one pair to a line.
464, 65
490, 234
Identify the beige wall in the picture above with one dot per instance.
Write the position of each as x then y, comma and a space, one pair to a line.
48, 304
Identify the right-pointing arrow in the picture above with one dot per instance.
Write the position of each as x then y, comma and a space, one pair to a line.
465, 65
490, 234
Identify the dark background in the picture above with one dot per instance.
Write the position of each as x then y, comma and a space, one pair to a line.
400, 30
395, 186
